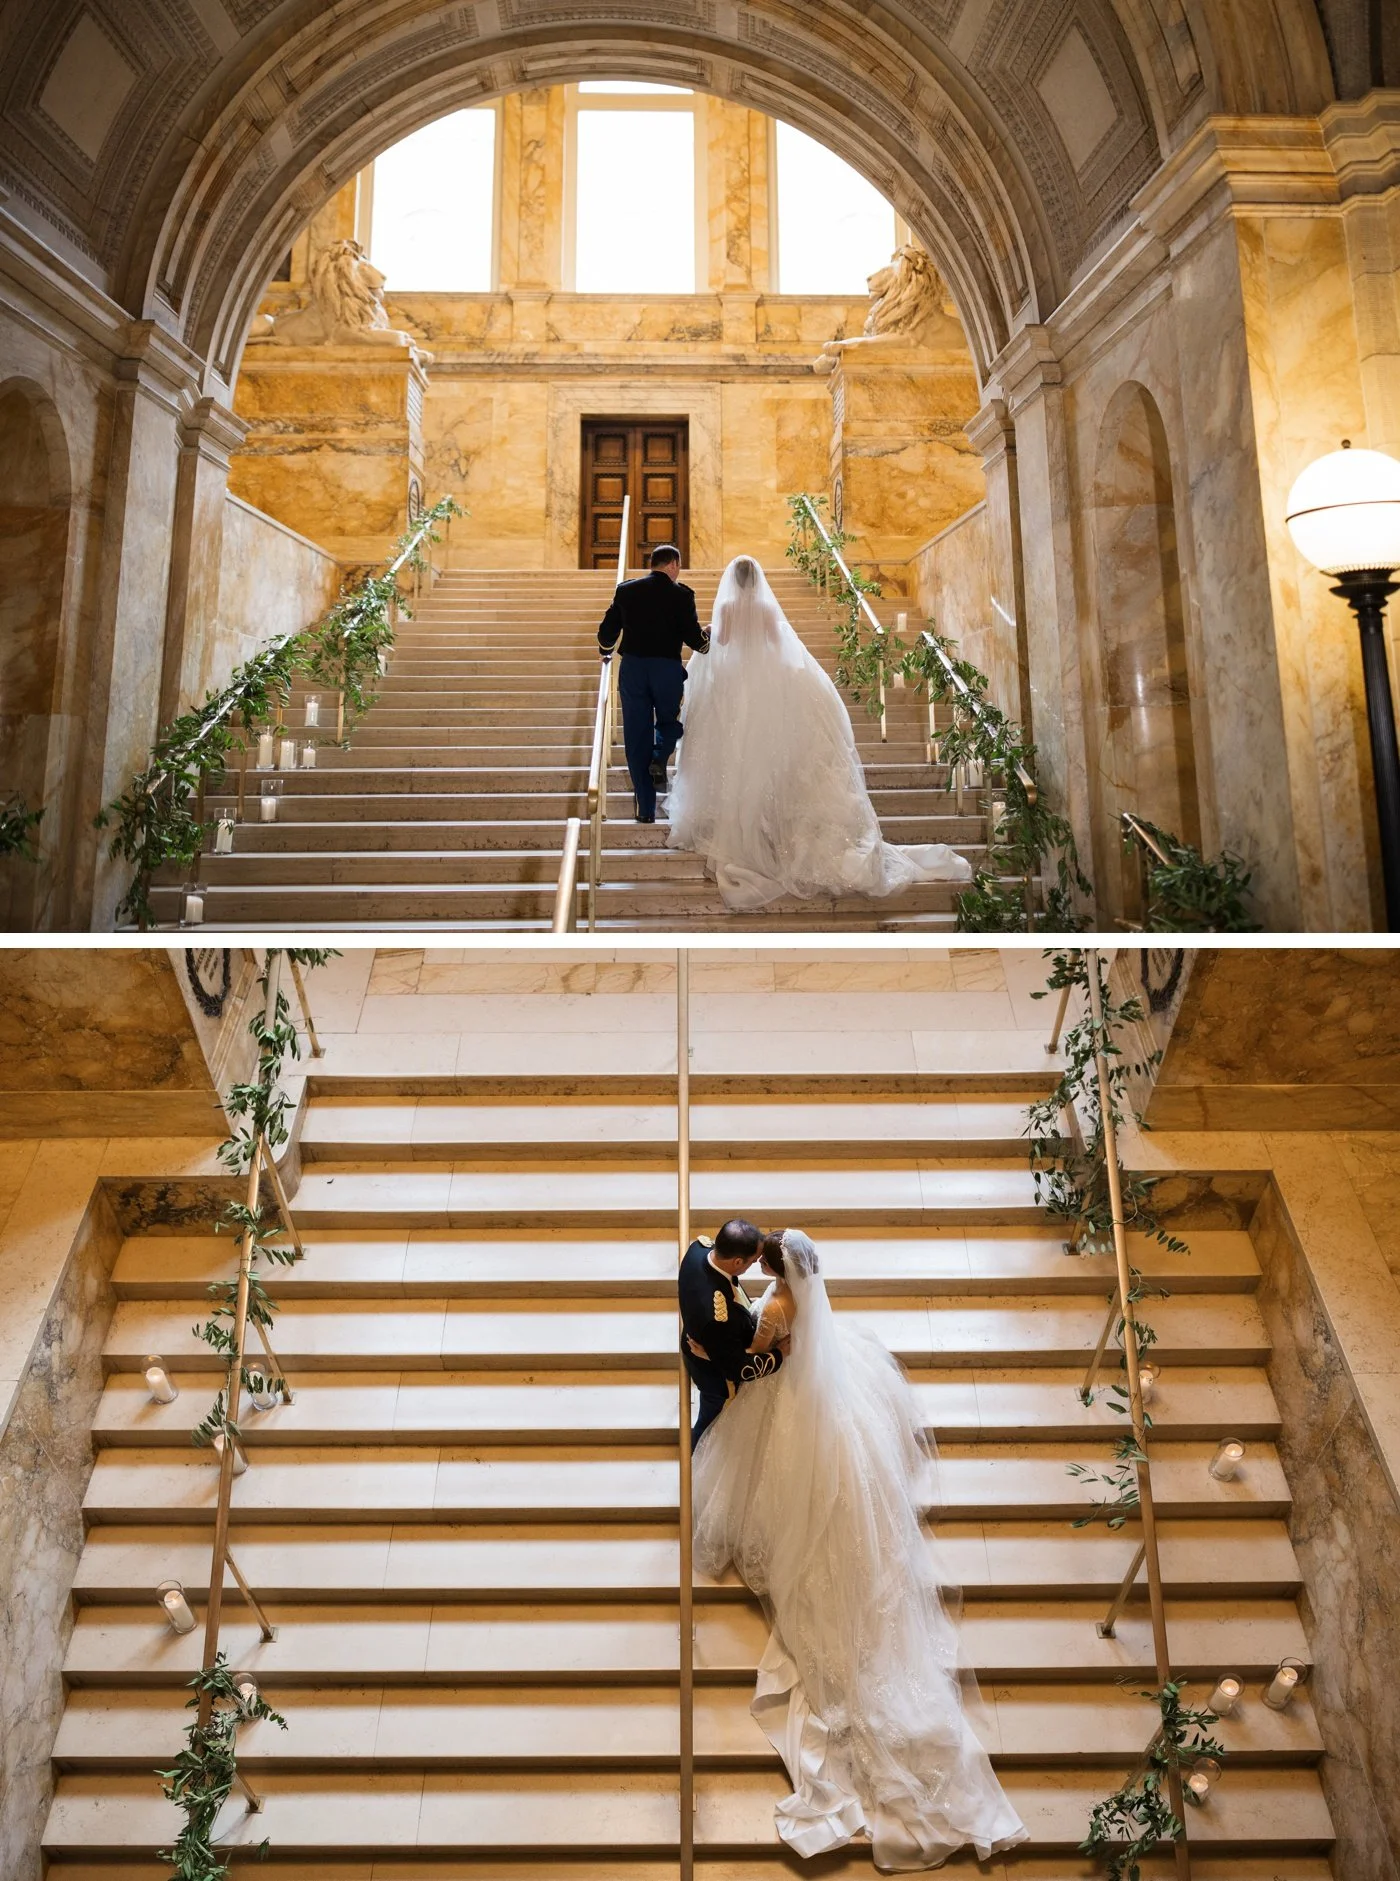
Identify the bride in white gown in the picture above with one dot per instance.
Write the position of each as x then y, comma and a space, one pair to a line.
769, 788
811, 1483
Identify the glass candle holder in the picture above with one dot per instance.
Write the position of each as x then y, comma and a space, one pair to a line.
1225, 1464
192, 909
263, 1396
240, 1462
159, 1383
1278, 1693
266, 743
996, 817
223, 837
313, 709
308, 756
287, 755
267, 803
1202, 1778
171, 1596
1226, 1696
246, 1688
1148, 1375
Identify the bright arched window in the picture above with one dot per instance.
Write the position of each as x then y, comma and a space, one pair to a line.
433, 212
834, 228
632, 178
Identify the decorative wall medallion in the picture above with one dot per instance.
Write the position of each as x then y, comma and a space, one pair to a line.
209, 971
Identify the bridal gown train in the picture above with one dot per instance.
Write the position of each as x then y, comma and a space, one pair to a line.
809, 1483
769, 787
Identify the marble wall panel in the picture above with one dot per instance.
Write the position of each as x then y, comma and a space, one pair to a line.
1345, 1526
45, 1460
951, 583
271, 581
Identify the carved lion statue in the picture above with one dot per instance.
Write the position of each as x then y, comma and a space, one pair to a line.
904, 293
343, 305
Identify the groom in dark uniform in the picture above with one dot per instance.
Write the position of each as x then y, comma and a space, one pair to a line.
717, 1317
655, 615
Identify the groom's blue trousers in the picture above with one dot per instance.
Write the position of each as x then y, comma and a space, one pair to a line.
651, 691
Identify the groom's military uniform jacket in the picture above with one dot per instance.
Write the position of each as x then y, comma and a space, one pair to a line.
717, 1316
655, 616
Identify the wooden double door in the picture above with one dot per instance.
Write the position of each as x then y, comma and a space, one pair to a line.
647, 459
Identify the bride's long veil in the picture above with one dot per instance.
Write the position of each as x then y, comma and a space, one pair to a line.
860, 1690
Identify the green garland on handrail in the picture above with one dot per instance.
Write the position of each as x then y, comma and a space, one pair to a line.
201, 1778
158, 819
1029, 835
1071, 1181
1128, 1825
1188, 895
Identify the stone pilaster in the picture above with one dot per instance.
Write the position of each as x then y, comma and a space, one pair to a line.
207, 436
992, 434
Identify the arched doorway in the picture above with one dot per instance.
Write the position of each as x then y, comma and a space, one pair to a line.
1145, 749
34, 515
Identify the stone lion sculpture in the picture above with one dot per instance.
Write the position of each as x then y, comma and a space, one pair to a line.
906, 299
343, 305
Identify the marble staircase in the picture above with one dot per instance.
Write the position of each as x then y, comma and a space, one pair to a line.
449, 806
465, 1524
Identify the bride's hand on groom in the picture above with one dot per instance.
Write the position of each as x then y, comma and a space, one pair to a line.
696, 1348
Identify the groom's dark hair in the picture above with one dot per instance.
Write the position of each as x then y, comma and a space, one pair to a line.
737, 1237
667, 552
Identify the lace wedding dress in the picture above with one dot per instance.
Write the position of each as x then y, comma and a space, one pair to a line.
810, 1483
769, 788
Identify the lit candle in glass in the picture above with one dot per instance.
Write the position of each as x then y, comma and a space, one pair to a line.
1147, 1381
240, 1462
1225, 1697
998, 816
383, 662
171, 1596
313, 709
223, 837
1225, 1464
159, 1383
287, 755
1203, 1777
246, 1688
262, 1396
1279, 1691
308, 756
194, 906
265, 744
267, 807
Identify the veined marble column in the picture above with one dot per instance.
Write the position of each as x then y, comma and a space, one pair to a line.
208, 434
154, 388
1030, 378
993, 434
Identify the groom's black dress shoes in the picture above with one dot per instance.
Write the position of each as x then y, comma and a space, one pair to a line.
639, 815
658, 773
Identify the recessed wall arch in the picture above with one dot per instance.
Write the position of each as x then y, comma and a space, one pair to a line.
1144, 753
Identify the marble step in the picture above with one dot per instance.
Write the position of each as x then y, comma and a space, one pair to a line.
621, 901
570, 1263
756, 1865
627, 1483
445, 1813
1194, 1403
295, 831
366, 769
384, 1728
830, 1130
434, 797
1222, 1557
451, 1334
460, 1645
423, 868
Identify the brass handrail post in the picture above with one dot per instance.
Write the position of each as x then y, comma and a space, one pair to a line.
687, 1566
600, 759
566, 889
1053, 1043
317, 1049
1143, 1470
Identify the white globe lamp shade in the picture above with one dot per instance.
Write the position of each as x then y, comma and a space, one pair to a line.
1344, 512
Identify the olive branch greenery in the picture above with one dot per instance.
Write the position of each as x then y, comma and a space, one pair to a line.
1029, 841
1187, 894
159, 818
1126, 1826
202, 1776
17, 821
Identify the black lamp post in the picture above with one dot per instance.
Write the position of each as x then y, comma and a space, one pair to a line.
1344, 516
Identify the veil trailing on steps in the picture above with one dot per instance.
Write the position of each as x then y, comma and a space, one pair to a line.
769, 787
811, 1483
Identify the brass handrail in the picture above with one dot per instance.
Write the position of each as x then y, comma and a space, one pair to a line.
686, 1573
600, 758
972, 704
1144, 845
566, 891
1143, 1470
